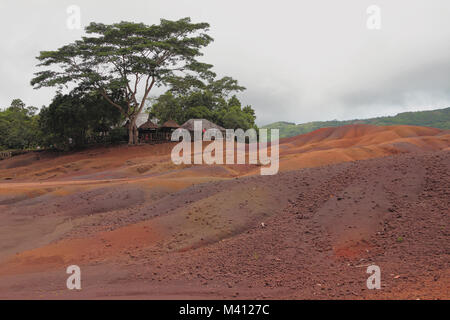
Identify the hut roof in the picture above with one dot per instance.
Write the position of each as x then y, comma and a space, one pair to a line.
149, 125
206, 124
170, 124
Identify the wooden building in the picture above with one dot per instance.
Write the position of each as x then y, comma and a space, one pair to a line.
149, 132
167, 128
206, 125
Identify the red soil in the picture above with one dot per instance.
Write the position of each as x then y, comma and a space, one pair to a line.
142, 227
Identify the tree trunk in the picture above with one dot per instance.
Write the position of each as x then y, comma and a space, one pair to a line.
132, 132
135, 135
130, 135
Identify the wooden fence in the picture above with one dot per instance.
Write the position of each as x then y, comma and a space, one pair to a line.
5, 154
11, 153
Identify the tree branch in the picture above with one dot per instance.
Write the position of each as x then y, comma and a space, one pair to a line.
104, 94
147, 90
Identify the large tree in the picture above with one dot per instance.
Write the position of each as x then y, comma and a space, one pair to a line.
130, 57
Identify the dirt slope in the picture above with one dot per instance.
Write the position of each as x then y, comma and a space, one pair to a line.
321, 147
328, 224
221, 231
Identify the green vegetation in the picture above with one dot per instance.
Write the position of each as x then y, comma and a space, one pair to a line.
70, 121
436, 118
19, 127
78, 119
184, 101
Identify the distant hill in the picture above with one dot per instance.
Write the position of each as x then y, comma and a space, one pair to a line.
435, 118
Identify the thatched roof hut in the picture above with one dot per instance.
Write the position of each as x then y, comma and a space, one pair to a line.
170, 124
148, 126
206, 124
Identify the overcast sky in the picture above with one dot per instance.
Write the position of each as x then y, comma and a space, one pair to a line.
299, 60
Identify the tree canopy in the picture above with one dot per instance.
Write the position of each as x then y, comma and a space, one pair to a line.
76, 119
130, 58
19, 126
211, 101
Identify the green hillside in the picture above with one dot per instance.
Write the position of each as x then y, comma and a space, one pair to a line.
435, 118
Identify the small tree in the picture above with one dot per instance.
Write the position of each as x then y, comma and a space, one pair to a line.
129, 57
19, 126
77, 116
